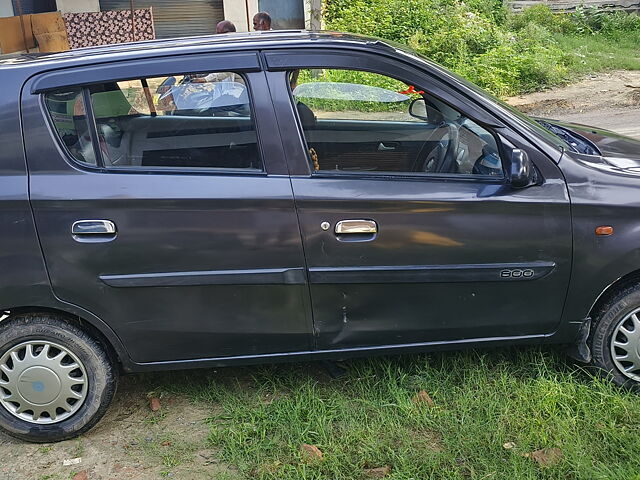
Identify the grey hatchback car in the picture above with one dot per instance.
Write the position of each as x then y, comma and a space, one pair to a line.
286, 195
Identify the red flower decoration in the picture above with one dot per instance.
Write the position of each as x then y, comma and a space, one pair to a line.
411, 90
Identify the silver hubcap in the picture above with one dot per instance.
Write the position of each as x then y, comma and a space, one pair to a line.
625, 346
42, 382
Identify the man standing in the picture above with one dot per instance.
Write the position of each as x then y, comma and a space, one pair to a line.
262, 21
225, 26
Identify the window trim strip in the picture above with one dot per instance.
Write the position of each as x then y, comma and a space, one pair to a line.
244, 62
93, 129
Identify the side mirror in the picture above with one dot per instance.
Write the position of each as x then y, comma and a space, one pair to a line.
522, 173
418, 109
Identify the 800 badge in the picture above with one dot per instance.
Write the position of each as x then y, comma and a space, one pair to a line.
517, 273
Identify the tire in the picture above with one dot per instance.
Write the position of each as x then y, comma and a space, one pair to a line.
56, 381
615, 338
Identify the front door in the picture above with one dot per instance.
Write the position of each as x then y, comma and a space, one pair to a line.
411, 231
163, 206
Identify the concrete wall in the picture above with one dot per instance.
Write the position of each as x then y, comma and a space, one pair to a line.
78, 6
313, 15
570, 5
6, 8
236, 11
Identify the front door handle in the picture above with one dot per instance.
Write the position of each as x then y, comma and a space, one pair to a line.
356, 226
93, 227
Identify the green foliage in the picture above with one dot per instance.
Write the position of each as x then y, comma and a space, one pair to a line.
591, 20
583, 21
543, 16
503, 52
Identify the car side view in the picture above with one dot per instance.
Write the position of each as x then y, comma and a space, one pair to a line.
265, 197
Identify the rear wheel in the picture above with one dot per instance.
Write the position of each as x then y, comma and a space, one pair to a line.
56, 381
615, 340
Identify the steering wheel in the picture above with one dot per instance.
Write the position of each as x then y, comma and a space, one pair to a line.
442, 157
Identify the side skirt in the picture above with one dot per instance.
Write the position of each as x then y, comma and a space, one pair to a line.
339, 354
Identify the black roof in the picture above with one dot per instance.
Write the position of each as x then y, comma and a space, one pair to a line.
273, 38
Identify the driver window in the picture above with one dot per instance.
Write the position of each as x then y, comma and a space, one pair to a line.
356, 121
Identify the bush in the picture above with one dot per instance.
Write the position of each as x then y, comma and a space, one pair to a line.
479, 39
542, 16
584, 20
470, 38
591, 20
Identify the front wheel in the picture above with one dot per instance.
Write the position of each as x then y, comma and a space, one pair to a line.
56, 381
615, 340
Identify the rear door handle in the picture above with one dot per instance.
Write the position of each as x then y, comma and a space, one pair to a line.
384, 148
93, 227
355, 227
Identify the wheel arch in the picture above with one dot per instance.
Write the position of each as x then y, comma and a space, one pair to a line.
612, 289
95, 327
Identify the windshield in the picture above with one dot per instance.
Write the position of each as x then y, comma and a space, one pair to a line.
348, 91
551, 138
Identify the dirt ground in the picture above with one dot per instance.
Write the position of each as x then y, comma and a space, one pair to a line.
132, 442
607, 100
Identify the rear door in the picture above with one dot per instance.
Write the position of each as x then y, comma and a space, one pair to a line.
412, 233
163, 205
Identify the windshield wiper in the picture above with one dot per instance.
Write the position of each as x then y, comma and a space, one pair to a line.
576, 142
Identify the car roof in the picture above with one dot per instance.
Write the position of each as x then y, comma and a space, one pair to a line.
25, 65
243, 40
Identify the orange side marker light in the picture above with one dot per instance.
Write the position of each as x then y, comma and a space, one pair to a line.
604, 230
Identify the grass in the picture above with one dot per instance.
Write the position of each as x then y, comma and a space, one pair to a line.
368, 418
596, 53
169, 449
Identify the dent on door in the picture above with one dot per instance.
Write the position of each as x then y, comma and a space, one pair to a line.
447, 261
451, 237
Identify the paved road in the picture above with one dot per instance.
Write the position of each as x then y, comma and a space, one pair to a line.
622, 121
609, 100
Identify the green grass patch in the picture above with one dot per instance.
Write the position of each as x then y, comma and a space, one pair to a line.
597, 53
168, 448
368, 418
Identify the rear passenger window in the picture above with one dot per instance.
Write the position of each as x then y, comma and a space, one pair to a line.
193, 121
67, 113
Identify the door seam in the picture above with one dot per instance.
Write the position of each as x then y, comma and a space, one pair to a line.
314, 330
